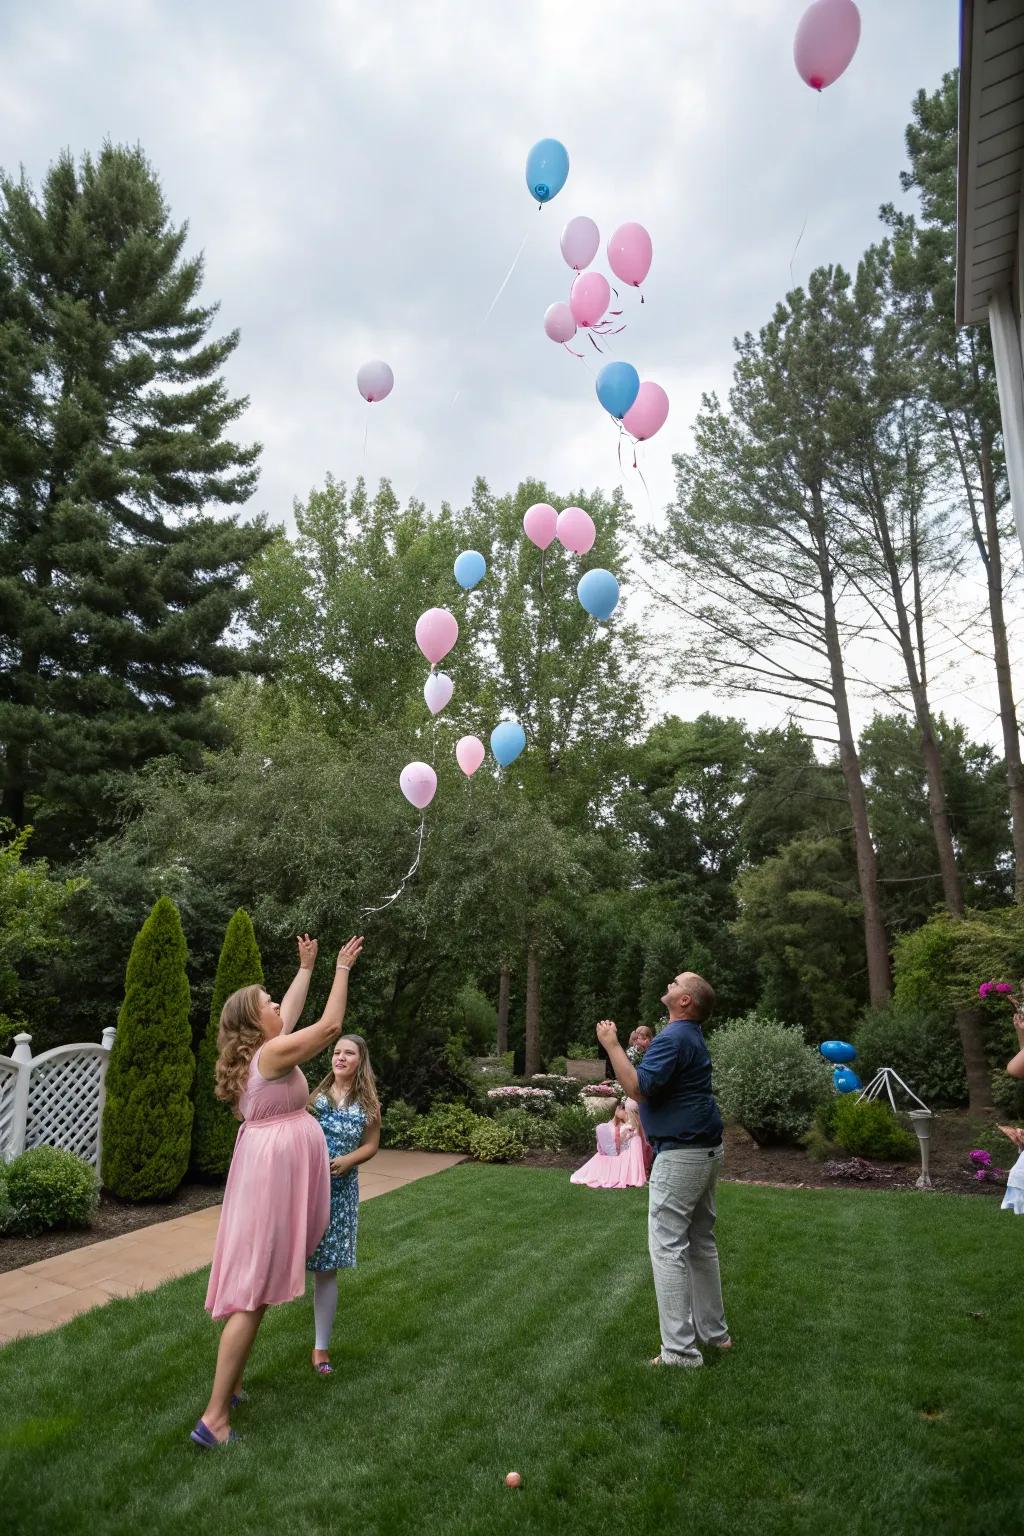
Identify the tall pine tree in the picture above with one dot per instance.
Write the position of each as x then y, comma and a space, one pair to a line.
118, 589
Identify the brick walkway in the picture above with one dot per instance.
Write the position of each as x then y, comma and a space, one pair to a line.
43, 1295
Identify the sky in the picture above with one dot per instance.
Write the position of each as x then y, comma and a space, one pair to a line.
354, 174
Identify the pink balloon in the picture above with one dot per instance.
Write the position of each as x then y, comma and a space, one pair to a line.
589, 298
437, 691
559, 323
540, 524
648, 413
629, 253
580, 240
418, 783
826, 40
436, 632
576, 531
375, 381
469, 754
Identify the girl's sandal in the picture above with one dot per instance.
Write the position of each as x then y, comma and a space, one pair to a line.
237, 1398
323, 1367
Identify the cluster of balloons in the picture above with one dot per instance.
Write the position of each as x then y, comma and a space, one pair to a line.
437, 631
597, 590
840, 1053
640, 405
826, 41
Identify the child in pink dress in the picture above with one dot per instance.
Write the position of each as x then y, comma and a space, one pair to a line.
277, 1200
619, 1160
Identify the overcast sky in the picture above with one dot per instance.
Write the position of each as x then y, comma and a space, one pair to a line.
354, 173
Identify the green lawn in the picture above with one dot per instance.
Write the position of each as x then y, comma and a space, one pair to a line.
500, 1319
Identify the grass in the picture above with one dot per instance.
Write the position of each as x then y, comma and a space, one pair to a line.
499, 1319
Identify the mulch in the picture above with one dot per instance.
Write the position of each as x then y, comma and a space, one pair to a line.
113, 1219
745, 1163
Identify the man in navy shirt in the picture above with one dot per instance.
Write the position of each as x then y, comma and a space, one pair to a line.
672, 1085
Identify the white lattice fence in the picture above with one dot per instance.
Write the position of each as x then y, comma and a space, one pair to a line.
54, 1100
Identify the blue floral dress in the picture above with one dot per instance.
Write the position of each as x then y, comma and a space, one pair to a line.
344, 1129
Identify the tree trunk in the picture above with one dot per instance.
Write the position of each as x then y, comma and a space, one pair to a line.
970, 1026
504, 996
875, 942
532, 1063
993, 558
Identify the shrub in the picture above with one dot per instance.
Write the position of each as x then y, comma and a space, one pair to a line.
47, 1187
1008, 1095
556, 1066
535, 1134
493, 1142
214, 1127
575, 1126
447, 1128
766, 1078
870, 1129
147, 1120
475, 1016
397, 1124
923, 1047
437, 1069
565, 1089
537, 1101
582, 1050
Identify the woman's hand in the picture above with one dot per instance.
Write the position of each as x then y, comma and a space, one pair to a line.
349, 953
340, 1165
307, 952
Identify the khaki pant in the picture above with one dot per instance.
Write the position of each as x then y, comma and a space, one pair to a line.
684, 1258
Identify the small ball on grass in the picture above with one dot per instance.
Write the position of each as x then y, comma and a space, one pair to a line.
513, 1480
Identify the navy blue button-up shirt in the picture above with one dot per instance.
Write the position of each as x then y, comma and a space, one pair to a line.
678, 1108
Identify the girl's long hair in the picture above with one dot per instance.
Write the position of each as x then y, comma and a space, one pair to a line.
238, 1039
364, 1085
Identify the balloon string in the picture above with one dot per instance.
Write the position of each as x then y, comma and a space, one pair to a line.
371, 911
814, 158
543, 555
505, 282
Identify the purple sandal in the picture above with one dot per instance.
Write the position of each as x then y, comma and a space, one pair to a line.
203, 1437
237, 1398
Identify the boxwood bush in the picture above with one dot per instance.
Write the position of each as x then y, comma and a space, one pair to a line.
767, 1078
47, 1187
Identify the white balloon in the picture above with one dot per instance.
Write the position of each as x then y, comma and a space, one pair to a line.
375, 381
437, 691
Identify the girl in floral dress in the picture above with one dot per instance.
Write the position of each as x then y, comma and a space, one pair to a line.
348, 1110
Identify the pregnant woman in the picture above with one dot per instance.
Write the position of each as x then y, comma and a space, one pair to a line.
277, 1199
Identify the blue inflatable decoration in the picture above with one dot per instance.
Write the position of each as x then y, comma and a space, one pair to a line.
507, 741
598, 591
547, 166
470, 569
837, 1051
618, 385
845, 1080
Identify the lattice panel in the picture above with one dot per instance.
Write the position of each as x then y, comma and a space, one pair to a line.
64, 1104
8, 1083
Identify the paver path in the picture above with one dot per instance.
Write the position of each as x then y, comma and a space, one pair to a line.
43, 1295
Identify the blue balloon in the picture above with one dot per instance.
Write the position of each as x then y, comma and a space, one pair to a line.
547, 166
618, 385
470, 568
837, 1051
598, 591
845, 1080
507, 741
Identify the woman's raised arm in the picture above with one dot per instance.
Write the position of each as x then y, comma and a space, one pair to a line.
280, 1055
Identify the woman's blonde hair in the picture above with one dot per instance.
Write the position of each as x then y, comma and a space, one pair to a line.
238, 1039
364, 1084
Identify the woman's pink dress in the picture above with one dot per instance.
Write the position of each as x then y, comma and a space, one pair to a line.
610, 1170
277, 1201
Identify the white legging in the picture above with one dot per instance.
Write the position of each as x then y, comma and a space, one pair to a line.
325, 1304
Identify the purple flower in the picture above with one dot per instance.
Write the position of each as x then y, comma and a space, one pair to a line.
980, 1157
985, 988
1003, 986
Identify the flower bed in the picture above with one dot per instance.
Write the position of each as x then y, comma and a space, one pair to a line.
539, 1100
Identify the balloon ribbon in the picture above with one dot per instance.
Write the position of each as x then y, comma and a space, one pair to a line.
370, 911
